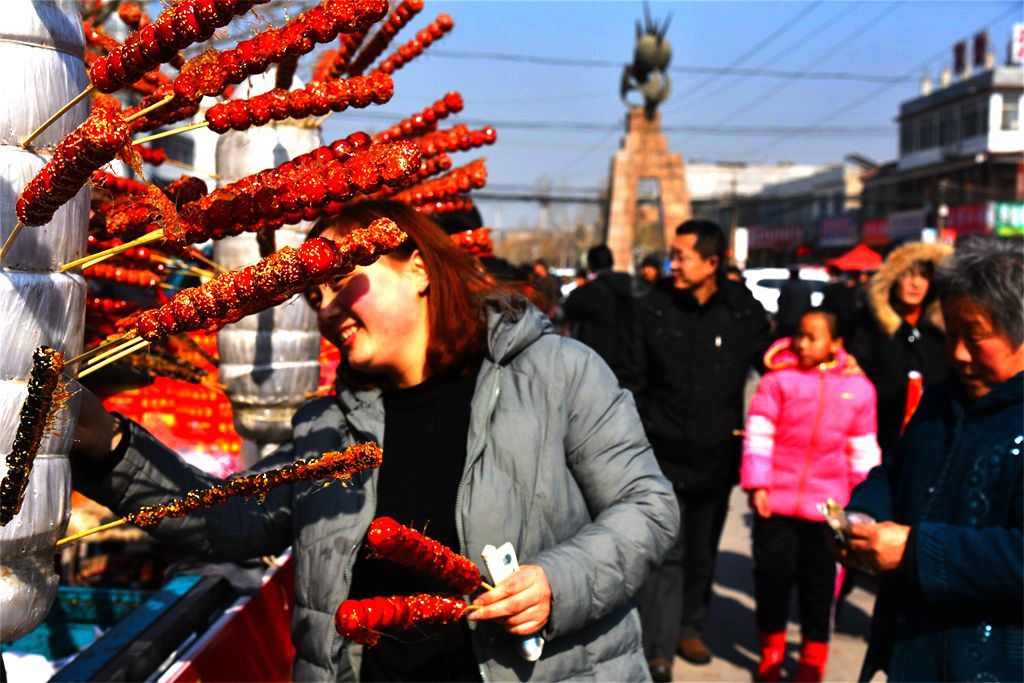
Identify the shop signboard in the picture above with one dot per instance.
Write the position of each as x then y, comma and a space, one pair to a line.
906, 225
1017, 48
776, 237
969, 219
875, 232
837, 232
1008, 218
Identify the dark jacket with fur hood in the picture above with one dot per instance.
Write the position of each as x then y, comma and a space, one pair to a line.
888, 347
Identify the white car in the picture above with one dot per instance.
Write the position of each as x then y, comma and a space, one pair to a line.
766, 284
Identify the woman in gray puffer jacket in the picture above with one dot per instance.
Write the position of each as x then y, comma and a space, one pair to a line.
494, 429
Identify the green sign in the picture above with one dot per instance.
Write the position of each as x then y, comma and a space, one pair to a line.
1009, 219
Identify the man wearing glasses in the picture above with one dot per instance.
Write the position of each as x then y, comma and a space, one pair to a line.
698, 336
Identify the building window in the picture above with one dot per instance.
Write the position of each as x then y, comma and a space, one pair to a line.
947, 127
925, 135
906, 137
1011, 114
970, 122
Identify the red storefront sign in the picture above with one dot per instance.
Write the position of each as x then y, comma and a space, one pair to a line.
837, 232
775, 238
969, 219
875, 232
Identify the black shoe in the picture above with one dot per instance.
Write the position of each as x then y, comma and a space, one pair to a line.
694, 650
661, 670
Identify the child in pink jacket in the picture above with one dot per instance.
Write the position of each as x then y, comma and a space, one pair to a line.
810, 436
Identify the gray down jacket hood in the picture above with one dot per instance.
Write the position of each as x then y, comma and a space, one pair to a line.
557, 463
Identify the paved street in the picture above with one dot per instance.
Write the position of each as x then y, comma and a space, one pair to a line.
731, 633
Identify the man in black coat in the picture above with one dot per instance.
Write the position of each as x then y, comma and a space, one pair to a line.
600, 313
794, 301
697, 337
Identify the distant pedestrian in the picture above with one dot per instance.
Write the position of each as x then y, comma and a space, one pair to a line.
698, 335
841, 299
733, 273
902, 331
810, 436
547, 285
600, 313
948, 537
794, 300
649, 272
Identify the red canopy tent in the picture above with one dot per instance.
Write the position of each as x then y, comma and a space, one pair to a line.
861, 257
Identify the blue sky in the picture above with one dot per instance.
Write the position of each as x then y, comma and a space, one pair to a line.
870, 38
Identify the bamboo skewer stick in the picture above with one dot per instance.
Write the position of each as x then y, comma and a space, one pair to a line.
10, 241
200, 256
134, 346
93, 259
183, 267
173, 131
143, 112
189, 167
90, 532
56, 115
102, 346
128, 340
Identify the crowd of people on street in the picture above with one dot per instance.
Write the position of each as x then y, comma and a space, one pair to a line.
608, 460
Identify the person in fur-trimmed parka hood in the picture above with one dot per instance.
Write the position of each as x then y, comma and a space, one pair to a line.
901, 331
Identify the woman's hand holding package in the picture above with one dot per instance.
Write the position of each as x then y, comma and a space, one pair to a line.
880, 547
521, 603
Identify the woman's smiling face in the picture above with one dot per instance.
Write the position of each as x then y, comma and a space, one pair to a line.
377, 316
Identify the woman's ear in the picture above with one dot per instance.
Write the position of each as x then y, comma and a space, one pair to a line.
418, 270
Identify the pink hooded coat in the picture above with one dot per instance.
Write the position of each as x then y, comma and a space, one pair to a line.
810, 434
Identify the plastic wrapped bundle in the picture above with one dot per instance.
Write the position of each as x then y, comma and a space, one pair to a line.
37, 304
268, 361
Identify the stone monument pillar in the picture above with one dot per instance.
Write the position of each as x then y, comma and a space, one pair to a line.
644, 155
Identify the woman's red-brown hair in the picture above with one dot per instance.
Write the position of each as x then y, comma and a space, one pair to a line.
458, 283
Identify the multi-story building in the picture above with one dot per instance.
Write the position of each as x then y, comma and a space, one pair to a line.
961, 161
785, 221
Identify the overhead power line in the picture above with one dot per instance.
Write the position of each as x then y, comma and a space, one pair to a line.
760, 45
687, 70
589, 126
758, 100
860, 101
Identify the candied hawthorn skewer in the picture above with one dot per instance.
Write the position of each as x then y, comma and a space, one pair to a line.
316, 98
456, 182
284, 273
116, 184
362, 620
415, 47
134, 277
320, 24
94, 143
403, 13
428, 168
179, 26
453, 205
404, 545
455, 139
333, 63
302, 189
43, 399
166, 365
423, 122
297, 190
339, 465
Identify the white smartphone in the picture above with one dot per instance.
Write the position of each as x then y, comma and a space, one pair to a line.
501, 563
